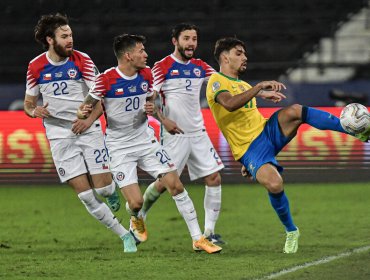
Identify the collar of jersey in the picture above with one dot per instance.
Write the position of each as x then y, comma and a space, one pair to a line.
124, 76
56, 63
230, 78
178, 60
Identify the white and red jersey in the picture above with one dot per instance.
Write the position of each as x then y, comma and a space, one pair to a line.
64, 86
179, 84
124, 99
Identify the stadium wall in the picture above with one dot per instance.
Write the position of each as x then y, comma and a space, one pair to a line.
312, 156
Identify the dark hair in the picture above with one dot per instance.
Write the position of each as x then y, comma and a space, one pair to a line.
226, 44
182, 27
46, 26
126, 42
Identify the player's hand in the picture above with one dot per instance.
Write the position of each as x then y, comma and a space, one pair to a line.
41, 111
84, 111
273, 96
171, 127
245, 173
149, 108
272, 85
79, 126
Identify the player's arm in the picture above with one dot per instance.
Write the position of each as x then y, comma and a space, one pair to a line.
32, 110
81, 125
234, 102
87, 107
152, 110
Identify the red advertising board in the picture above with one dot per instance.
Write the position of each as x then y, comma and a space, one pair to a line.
25, 154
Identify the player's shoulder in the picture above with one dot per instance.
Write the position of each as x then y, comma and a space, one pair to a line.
39, 61
164, 63
146, 72
80, 55
110, 73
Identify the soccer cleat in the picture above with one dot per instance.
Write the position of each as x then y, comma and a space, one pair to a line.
129, 244
291, 243
113, 201
364, 136
215, 239
204, 244
138, 229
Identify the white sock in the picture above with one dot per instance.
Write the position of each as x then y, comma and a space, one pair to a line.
186, 208
150, 197
107, 190
101, 212
212, 206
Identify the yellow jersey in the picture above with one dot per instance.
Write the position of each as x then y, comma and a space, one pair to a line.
241, 126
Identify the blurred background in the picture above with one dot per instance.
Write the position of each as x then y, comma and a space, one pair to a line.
319, 49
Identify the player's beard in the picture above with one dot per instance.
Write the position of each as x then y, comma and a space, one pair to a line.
61, 51
182, 53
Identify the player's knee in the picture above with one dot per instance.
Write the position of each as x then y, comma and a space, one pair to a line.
108, 190
275, 185
160, 187
213, 180
294, 112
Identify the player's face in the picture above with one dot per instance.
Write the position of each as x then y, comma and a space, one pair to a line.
238, 59
63, 41
187, 43
138, 56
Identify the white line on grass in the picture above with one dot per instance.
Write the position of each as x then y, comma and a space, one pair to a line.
318, 262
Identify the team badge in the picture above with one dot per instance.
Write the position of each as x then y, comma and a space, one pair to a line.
197, 72
72, 73
120, 176
61, 171
144, 86
216, 86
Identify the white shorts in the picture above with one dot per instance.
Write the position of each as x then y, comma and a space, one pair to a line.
75, 156
155, 161
196, 152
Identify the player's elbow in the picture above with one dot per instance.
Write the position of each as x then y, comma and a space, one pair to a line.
231, 107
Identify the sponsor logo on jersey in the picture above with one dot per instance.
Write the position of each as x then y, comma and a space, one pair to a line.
47, 77
120, 176
170, 165
174, 72
241, 88
197, 72
61, 171
132, 89
216, 86
144, 86
187, 72
119, 91
72, 73
58, 74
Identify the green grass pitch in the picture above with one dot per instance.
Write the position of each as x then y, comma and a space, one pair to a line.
46, 233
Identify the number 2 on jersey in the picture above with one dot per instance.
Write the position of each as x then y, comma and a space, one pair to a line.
188, 85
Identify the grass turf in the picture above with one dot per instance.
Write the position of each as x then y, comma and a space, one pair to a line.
46, 233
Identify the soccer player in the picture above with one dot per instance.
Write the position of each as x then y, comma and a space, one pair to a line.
255, 141
63, 77
178, 79
131, 142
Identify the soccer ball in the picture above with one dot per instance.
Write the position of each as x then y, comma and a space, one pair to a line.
355, 118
